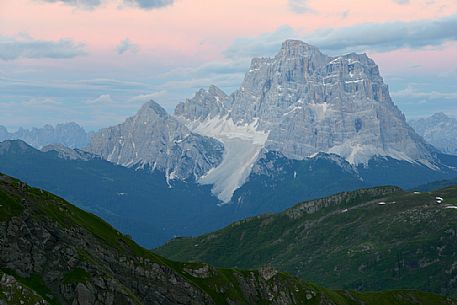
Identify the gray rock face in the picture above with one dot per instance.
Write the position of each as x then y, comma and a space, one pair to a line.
306, 102
154, 139
13, 292
67, 153
205, 104
438, 130
69, 134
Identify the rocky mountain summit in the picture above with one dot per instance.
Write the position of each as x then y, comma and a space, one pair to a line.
152, 138
439, 130
69, 134
301, 103
53, 253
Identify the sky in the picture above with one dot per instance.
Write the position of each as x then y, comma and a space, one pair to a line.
96, 62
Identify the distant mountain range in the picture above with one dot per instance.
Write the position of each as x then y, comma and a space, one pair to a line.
54, 253
302, 125
295, 107
369, 239
438, 130
69, 134
152, 209
137, 202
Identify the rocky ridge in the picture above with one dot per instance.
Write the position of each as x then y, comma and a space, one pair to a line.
154, 139
67, 153
69, 134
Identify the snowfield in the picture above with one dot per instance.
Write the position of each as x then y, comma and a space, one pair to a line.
242, 145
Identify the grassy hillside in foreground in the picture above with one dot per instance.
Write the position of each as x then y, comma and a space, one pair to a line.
364, 240
54, 253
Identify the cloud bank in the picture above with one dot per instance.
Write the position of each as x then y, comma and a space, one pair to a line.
126, 46
387, 36
91, 4
149, 4
87, 4
299, 6
24, 46
379, 37
413, 92
402, 2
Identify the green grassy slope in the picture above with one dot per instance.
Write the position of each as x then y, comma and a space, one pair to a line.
98, 254
358, 243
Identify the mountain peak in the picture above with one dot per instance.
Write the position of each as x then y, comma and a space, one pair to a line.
295, 43
439, 116
154, 107
302, 102
440, 130
215, 90
17, 146
297, 48
156, 139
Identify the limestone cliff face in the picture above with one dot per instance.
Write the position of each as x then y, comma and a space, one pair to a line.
154, 139
301, 103
309, 102
205, 104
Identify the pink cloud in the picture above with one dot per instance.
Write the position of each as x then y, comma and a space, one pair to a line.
198, 28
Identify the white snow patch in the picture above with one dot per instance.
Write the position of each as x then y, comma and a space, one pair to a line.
336, 60
111, 155
381, 203
451, 207
169, 176
242, 145
295, 108
356, 153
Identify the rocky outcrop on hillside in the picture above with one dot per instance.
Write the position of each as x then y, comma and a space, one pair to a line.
13, 292
67, 153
